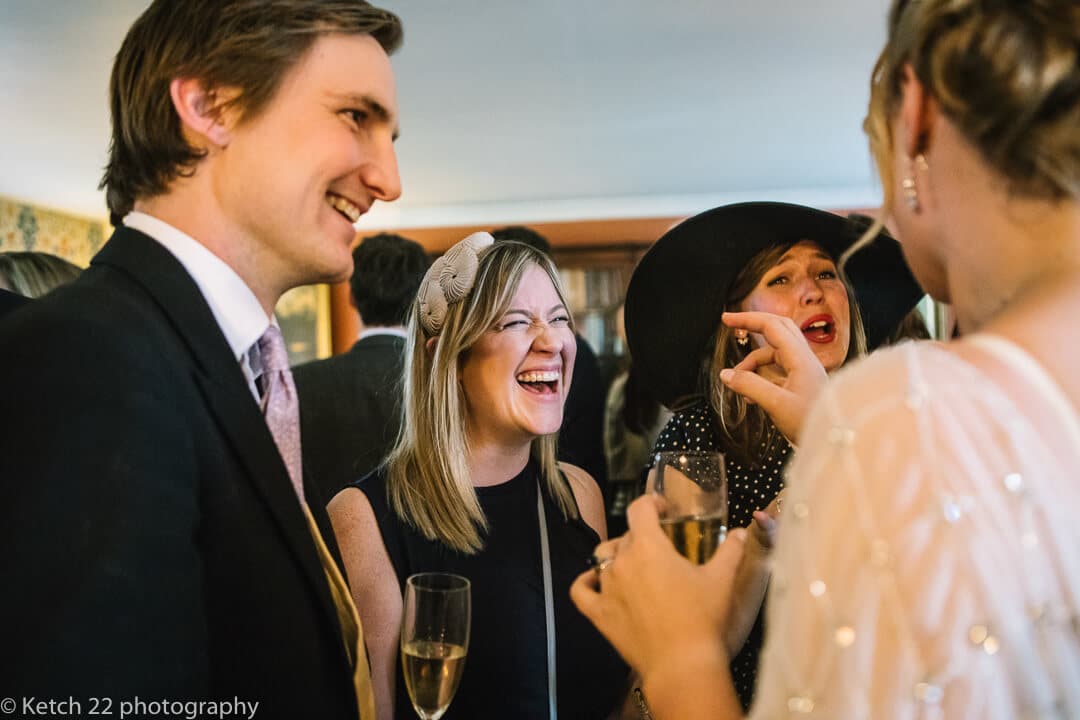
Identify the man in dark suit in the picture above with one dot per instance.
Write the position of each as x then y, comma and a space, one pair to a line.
9, 301
350, 404
159, 540
581, 437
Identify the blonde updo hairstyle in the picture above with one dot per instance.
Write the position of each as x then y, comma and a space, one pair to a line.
427, 472
1006, 73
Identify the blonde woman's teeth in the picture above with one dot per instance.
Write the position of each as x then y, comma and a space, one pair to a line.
532, 377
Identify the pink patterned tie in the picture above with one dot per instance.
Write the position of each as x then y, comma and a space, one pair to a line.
280, 404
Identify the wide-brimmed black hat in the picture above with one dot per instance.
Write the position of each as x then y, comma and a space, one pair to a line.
677, 291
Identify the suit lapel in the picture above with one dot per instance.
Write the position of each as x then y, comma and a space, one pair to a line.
222, 384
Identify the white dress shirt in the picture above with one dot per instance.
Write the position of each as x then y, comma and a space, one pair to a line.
395, 331
233, 304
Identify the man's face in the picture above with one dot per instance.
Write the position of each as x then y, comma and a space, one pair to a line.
295, 177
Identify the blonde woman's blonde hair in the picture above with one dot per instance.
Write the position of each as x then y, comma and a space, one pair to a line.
1005, 74
746, 431
427, 472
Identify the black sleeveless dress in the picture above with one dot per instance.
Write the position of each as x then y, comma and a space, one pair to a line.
506, 669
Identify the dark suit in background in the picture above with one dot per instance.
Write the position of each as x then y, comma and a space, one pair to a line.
350, 410
155, 545
350, 405
581, 437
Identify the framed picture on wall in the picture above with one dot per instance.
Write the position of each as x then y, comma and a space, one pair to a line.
304, 316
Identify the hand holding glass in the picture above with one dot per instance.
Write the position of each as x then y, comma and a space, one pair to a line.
434, 639
693, 487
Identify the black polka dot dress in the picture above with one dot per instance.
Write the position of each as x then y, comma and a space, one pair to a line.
697, 428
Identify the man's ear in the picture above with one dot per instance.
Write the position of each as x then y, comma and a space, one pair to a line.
202, 117
918, 111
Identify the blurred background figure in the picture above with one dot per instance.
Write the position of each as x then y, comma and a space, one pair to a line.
581, 438
350, 404
633, 418
912, 327
32, 274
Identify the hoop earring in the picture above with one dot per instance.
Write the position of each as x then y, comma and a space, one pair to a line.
911, 192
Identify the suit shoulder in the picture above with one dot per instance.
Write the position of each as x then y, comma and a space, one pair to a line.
91, 331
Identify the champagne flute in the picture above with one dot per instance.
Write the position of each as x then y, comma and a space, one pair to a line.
693, 486
434, 639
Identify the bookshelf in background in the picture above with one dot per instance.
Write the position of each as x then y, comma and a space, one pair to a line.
595, 279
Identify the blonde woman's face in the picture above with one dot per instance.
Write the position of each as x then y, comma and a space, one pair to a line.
804, 285
515, 378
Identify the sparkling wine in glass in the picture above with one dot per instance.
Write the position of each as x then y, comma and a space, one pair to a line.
694, 491
434, 639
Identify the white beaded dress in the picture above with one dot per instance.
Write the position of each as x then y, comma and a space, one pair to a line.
928, 564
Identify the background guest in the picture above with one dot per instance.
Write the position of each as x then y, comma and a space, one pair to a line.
632, 420
913, 326
350, 404
32, 274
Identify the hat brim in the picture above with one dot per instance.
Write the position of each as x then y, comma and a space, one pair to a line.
677, 291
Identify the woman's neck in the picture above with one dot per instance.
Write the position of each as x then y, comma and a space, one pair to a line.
1010, 257
1022, 283
493, 464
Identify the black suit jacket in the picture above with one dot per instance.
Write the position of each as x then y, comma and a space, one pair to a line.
153, 544
581, 437
9, 301
350, 410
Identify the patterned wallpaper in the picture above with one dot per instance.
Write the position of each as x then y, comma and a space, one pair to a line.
304, 313
28, 227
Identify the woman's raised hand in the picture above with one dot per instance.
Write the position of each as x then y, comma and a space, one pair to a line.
784, 377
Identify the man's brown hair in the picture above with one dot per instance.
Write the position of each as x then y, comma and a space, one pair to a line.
249, 45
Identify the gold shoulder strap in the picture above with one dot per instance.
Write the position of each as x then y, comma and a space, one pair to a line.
351, 628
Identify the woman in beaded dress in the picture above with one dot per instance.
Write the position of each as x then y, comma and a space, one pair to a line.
928, 564
762, 256
473, 488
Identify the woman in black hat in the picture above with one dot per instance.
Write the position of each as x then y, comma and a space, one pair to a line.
768, 257
928, 562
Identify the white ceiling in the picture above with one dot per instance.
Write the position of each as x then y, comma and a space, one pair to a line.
523, 110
